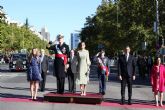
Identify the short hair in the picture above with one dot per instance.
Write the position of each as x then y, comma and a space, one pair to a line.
127, 46
60, 36
102, 51
156, 58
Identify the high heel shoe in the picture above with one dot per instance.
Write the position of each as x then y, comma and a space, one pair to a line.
34, 99
157, 105
161, 105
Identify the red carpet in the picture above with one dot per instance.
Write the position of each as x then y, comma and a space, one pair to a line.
109, 104
140, 105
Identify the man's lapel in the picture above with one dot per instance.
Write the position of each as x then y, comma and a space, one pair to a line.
124, 59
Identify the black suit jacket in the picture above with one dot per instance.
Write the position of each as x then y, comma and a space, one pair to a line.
126, 68
44, 64
58, 62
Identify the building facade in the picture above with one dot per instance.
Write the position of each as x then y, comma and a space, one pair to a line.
45, 34
75, 39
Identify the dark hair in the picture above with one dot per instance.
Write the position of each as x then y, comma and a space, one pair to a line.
50, 42
70, 52
101, 51
79, 45
155, 60
127, 46
31, 55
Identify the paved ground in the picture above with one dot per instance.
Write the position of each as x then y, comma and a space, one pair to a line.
15, 94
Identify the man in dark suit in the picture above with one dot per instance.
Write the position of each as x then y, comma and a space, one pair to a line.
61, 65
126, 72
44, 69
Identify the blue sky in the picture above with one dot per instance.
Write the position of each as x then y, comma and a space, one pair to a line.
58, 16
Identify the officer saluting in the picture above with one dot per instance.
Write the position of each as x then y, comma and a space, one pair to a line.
61, 51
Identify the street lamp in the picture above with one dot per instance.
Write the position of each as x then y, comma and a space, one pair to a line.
117, 17
157, 17
157, 22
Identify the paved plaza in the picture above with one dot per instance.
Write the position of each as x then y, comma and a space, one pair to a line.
15, 94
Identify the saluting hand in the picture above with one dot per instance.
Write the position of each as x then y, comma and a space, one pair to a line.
99, 60
97, 54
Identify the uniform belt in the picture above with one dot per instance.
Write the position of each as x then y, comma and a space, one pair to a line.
64, 57
106, 69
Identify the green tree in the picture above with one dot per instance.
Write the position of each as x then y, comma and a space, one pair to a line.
123, 22
13, 37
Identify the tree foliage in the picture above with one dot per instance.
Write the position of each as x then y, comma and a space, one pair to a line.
123, 22
14, 38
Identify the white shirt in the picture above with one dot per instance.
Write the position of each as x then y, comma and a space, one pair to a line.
42, 57
127, 56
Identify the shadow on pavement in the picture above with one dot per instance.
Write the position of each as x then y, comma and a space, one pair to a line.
138, 81
4, 70
16, 97
112, 100
28, 89
14, 88
7, 95
134, 101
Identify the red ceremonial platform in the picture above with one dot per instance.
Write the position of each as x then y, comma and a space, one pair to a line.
90, 98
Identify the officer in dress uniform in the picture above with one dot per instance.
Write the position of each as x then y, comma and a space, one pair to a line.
103, 70
61, 51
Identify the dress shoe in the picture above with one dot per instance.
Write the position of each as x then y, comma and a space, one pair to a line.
61, 93
35, 99
129, 102
58, 92
122, 101
42, 90
103, 93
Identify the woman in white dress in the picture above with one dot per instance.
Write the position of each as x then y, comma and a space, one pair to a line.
83, 67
